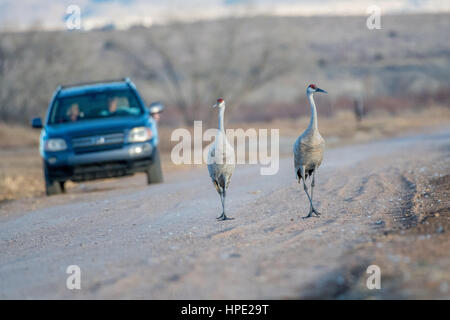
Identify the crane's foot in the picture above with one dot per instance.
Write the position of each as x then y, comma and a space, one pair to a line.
223, 217
317, 213
312, 212
308, 216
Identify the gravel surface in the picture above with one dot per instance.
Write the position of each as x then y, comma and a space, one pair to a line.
163, 241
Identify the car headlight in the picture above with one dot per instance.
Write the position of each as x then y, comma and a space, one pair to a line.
139, 134
55, 145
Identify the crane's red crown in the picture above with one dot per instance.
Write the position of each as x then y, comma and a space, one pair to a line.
312, 86
220, 100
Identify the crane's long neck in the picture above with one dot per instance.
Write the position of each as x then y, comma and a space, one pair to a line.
221, 120
313, 122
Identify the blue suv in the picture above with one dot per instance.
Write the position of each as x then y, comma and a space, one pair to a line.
98, 130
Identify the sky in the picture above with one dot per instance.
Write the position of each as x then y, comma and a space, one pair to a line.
52, 14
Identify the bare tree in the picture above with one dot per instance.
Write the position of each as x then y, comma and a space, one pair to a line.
197, 75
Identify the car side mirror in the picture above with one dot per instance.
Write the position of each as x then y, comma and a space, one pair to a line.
155, 108
36, 123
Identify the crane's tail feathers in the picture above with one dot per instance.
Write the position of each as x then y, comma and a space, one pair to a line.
307, 174
300, 177
217, 186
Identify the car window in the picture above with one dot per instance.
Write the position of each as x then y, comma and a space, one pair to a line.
95, 105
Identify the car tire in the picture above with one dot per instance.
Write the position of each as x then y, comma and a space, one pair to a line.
63, 186
154, 171
52, 187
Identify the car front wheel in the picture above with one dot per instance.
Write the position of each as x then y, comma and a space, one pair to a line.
154, 171
52, 187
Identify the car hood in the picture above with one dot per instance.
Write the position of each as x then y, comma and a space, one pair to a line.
94, 126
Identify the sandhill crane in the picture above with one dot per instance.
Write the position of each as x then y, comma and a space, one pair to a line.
308, 150
221, 159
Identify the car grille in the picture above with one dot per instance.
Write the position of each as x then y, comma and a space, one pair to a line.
98, 142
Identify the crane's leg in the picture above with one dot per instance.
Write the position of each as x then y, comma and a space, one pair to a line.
223, 216
223, 205
303, 179
309, 198
313, 183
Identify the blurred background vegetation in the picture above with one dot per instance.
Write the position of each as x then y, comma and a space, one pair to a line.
260, 65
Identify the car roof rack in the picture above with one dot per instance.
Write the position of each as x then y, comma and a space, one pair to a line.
127, 80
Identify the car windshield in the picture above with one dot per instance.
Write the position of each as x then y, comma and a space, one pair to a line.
95, 105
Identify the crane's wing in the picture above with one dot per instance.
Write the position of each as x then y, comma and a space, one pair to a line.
220, 175
221, 165
307, 156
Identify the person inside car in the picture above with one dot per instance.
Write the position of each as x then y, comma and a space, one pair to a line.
73, 112
112, 105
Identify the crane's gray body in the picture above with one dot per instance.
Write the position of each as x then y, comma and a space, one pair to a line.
308, 153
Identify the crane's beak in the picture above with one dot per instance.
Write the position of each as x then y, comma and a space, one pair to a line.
320, 90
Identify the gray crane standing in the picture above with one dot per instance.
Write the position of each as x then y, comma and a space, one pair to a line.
308, 150
221, 161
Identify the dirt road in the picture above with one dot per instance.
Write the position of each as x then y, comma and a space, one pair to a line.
162, 241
